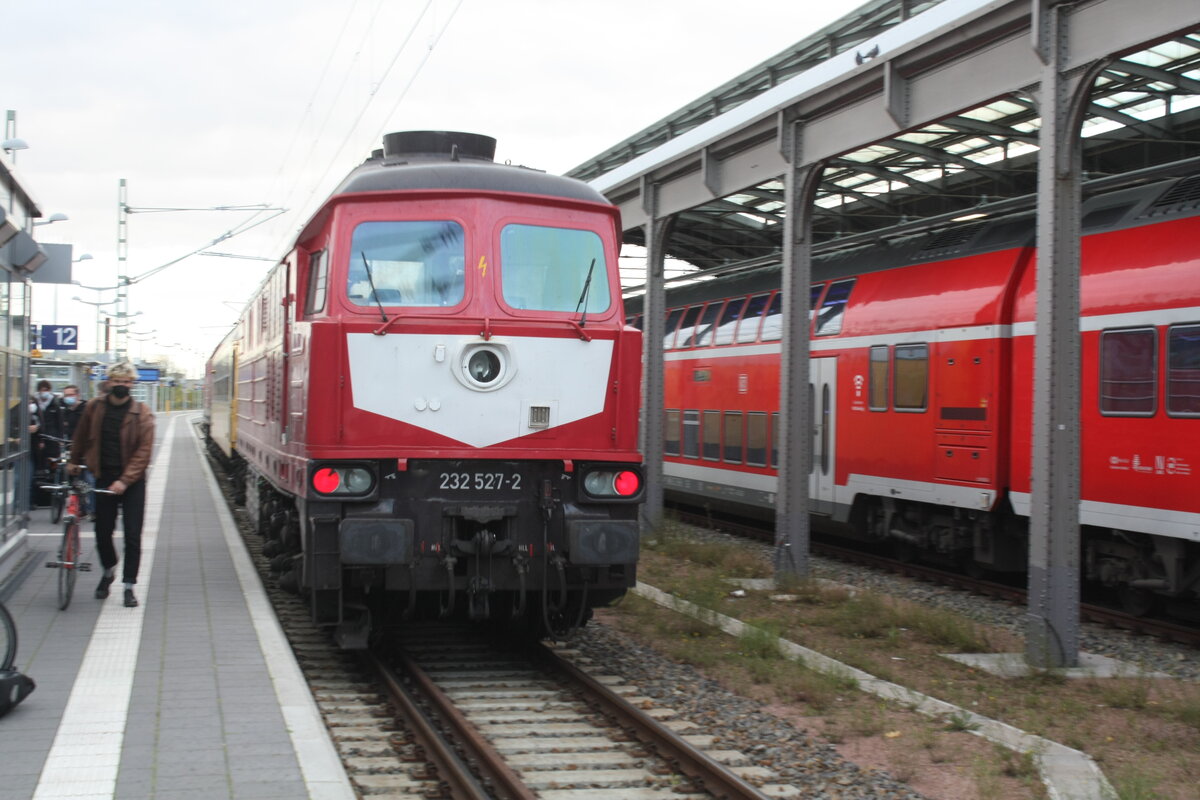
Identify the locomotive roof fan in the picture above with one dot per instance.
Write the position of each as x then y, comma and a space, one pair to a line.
438, 146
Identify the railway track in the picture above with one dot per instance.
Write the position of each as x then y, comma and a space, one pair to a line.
1164, 629
441, 712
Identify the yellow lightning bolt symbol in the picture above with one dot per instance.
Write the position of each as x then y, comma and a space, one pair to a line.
482, 266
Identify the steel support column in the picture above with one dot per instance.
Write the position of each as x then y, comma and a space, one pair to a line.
653, 324
796, 426
1052, 629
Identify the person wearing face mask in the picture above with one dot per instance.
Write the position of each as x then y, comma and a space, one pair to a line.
50, 416
114, 439
73, 406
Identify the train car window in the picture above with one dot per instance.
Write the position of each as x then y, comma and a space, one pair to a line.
711, 434
733, 437
1129, 372
553, 269
1183, 370
772, 326
829, 318
669, 328
691, 434
775, 436
756, 306
318, 277
688, 327
877, 388
814, 294
708, 320
407, 263
671, 433
756, 439
911, 390
727, 325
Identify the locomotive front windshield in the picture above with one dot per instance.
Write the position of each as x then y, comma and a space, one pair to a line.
406, 264
553, 269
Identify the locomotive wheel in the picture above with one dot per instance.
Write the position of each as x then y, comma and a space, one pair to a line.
1138, 602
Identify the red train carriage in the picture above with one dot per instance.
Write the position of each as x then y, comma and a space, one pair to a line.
434, 396
922, 371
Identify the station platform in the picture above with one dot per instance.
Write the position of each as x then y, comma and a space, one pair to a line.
193, 694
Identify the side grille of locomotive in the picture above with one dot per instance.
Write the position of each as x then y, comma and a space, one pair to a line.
539, 416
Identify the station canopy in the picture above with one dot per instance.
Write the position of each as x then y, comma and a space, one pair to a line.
1143, 119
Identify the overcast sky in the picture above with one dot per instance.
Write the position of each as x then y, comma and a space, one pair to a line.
225, 102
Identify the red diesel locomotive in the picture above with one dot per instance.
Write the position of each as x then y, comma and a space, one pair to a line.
433, 398
922, 388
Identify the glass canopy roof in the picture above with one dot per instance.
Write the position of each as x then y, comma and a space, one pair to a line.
1144, 114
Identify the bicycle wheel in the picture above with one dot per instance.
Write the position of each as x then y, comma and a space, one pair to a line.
68, 562
58, 497
8, 639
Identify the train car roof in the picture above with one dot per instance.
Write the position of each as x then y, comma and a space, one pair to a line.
1125, 208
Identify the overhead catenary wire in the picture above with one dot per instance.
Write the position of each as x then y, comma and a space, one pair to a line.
334, 159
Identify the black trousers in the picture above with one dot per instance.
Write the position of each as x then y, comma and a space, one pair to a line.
133, 509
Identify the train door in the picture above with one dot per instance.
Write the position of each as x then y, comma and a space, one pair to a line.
822, 376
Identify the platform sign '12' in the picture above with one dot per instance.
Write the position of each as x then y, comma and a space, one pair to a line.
60, 337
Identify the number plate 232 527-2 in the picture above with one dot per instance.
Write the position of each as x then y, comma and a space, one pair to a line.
479, 481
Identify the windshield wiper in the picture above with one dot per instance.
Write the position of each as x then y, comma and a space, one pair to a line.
587, 287
371, 281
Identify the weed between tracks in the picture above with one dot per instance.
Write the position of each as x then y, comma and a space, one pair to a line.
1144, 733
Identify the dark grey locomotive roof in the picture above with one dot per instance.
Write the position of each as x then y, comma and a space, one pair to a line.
417, 160
380, 176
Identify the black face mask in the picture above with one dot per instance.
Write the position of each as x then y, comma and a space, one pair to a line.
120, 391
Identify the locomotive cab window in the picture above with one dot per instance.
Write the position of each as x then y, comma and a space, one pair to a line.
413, 263
1129, 372
1183, 370
318, 276
553, 269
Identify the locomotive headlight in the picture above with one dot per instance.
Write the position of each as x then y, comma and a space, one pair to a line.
343, 480
485, 367
611, 482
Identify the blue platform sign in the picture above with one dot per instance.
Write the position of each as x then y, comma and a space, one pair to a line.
60, 337
148, 374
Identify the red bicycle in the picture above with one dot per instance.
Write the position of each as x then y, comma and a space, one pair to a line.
70, 551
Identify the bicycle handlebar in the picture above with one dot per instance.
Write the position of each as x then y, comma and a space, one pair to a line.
54, 438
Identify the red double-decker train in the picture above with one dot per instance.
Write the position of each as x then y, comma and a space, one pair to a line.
922, 389
432, 400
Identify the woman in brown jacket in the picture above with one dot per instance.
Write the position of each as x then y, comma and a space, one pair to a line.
114, 439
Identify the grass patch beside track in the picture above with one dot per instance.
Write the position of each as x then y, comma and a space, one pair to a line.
1144, 733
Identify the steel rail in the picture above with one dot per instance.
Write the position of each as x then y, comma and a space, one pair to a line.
717, 779
497, 779
452, 768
